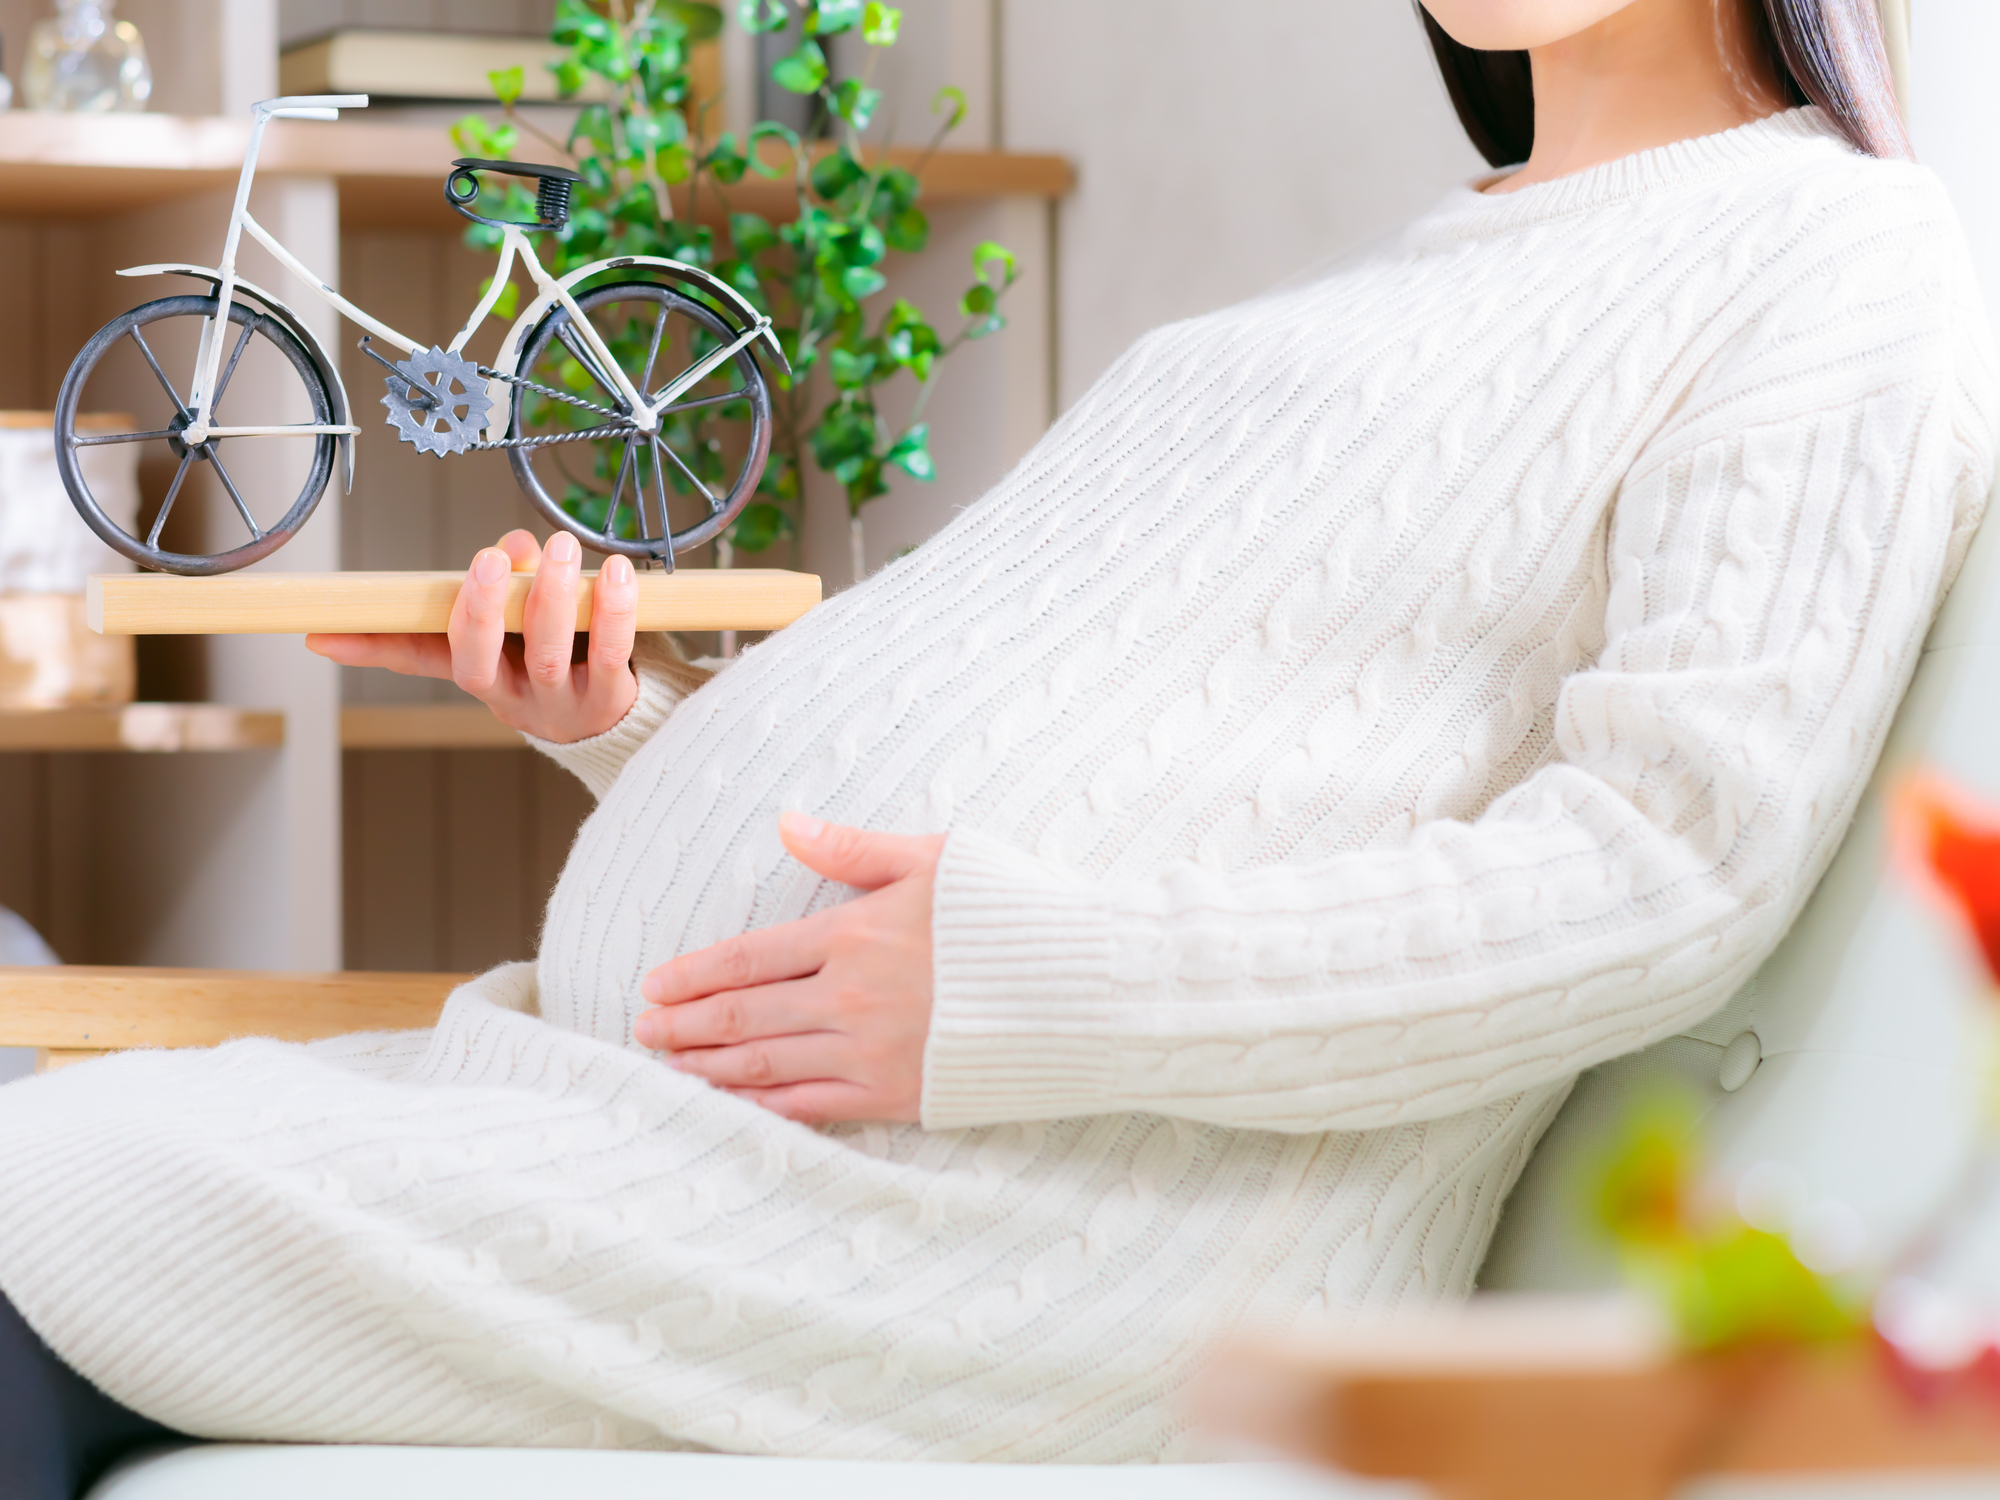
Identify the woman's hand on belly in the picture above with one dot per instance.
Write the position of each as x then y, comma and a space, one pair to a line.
535, 681
821, 1019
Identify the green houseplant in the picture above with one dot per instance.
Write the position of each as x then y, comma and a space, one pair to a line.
823, 276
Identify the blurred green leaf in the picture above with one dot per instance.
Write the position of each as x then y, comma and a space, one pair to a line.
912, 453
760, 16
879, 24
908, 232
830, 16
508, 84
760, 527
989, 254
752, 233
953, 99
855, 103
770, 130
861, 282
701, 22
803, 71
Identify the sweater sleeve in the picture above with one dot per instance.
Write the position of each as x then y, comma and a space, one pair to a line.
665, 679
1773, 557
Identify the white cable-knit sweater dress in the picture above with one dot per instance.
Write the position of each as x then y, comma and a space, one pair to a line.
1367, 708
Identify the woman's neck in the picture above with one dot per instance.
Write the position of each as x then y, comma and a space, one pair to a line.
1656, 72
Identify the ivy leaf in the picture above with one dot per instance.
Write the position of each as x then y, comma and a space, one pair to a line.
803, 72
989, 253
760, 16
675, 164
836, 172
760, 527
725, 163
507, 84
831, 16
850, 371
955, 98
700, 22
509, 300
855, 103
752, 233
977, 300
576, 22
879, 24
569, 76
861, 282
912, 453
770, 130
909, 231
474, 135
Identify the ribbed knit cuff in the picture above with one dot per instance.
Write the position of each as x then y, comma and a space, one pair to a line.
1021, 958
664, 680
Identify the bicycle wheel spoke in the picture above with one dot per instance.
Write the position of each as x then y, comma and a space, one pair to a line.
166, 505
97, 438
653, 349
573, 342
165, 384
610, 532
660, 492
723, 399
714, 504
242, 343
230, 485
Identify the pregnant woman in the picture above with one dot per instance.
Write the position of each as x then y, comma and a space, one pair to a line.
1174, 899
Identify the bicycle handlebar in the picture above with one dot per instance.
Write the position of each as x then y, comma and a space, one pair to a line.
310, 106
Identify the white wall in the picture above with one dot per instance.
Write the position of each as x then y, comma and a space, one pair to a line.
1220, 148
1952, 47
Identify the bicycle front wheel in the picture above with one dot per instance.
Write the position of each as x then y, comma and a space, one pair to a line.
213, 513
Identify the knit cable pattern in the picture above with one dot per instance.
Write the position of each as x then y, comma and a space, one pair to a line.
1367, 708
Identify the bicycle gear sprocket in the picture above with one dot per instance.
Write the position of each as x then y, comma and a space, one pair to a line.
437, 401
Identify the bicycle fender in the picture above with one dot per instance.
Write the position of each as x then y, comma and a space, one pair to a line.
329, 369
732, 301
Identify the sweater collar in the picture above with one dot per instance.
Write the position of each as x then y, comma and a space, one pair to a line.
1786, 136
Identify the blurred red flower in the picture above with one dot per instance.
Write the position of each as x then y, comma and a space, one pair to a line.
1953, 838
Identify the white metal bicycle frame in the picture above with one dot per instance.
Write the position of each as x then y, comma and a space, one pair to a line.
645, 412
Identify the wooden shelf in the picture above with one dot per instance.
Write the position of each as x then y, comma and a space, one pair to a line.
77, 1008
1553, 1398
392, 176
254, 603
150, 728
424, 726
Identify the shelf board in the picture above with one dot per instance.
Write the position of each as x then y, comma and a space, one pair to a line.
253, 603
392, 176
153, 728
77, 1008
424, 726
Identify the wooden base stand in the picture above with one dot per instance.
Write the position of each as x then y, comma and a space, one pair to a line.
254, 603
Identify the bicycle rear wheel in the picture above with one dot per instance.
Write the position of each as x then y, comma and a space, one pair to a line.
203, 501
646, 495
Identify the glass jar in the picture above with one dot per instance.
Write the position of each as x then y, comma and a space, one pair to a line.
84, 62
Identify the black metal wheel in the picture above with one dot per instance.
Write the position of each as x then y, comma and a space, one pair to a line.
124, 367
646, 495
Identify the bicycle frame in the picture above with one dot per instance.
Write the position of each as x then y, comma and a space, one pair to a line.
514, 246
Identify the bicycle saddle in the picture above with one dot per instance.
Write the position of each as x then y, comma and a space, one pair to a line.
553, 184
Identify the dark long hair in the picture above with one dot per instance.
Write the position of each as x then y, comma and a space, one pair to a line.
1824, 52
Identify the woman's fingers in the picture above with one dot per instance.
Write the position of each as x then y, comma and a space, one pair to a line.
773, 1062
732, 1017
412, 655
522, 550
478, 628
548, 620
824, 1102
791, 950
614, 619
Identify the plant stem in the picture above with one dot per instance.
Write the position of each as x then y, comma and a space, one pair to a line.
857, 554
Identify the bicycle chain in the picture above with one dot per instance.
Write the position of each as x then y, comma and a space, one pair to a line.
588, 434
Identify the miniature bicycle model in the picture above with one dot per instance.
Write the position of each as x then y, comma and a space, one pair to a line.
576, 375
